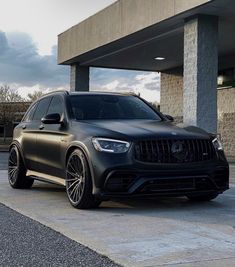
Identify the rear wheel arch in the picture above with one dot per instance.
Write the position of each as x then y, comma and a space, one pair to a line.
17, 170
17, 144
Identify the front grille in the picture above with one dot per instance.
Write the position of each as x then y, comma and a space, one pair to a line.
174, 151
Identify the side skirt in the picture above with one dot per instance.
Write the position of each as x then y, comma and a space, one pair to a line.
45, 177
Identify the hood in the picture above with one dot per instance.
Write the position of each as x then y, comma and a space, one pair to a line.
141, 129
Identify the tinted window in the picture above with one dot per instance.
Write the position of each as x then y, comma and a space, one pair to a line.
111, 107
29, 115
56, 106
41, 108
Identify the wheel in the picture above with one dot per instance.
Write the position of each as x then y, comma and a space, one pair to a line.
78, 182
17, 171
202, 198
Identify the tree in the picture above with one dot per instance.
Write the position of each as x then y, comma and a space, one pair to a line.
34, 96
9, 95
7, 110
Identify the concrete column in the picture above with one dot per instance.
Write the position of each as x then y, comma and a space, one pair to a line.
200, 72
79, 78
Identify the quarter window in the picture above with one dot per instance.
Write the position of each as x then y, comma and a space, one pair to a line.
29, 115
41, 108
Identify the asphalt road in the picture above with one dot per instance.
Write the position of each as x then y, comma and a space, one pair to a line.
3, 160
25, 242
159, 232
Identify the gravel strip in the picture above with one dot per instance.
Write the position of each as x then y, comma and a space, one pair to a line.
25, 242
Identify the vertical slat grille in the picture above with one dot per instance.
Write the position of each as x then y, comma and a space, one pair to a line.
174, 151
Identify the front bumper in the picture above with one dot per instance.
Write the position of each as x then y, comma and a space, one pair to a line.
139, 183
122, 176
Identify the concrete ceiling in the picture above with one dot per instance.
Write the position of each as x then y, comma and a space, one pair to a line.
165, 39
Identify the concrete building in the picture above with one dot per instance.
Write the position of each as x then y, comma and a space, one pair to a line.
191, 42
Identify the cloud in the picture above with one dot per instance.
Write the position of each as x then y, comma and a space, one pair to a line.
23, 68
147, 84
21, 64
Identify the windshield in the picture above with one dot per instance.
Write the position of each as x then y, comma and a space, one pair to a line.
111, 107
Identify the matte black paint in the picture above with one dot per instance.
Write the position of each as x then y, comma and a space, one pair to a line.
45, 147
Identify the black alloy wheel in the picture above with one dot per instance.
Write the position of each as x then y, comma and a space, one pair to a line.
17, 171
79, 183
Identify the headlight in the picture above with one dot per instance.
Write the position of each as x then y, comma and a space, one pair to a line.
217, 143
110, 145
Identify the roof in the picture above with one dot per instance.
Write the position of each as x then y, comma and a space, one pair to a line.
87, 93
130, 34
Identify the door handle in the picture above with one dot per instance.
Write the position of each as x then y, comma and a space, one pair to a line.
23, 127
41, 127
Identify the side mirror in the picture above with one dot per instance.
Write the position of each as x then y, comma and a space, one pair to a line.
169, 117
51, 119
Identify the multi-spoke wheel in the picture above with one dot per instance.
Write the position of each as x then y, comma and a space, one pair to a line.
16, 170
78, 182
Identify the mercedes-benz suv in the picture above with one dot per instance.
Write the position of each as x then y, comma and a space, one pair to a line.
107, 145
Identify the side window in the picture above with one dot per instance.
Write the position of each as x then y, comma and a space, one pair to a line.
29, 115
41, 108
56, 106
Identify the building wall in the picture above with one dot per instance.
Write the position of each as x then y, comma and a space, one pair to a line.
172, 104
226, 117
172, 95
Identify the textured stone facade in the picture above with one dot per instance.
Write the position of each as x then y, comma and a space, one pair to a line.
172, 94
200, 72
172, 104
226, 119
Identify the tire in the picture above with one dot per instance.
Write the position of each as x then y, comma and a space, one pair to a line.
16, 171
203, 198
78, 182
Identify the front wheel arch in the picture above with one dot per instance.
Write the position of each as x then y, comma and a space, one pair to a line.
84, 150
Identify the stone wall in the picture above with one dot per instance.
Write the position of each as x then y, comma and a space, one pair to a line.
226, 119
172, 94
172, 104
227, 131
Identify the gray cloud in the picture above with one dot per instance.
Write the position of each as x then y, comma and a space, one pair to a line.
123, 80
147, 84
21, 64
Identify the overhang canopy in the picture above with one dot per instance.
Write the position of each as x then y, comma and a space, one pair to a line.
130, 34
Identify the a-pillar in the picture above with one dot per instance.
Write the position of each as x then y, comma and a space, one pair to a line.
200, 72
79, 78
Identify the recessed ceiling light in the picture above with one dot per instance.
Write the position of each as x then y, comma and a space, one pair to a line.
159, 58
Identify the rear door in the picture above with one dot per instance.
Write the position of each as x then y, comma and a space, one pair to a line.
26, 132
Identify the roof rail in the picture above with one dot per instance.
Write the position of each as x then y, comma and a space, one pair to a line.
57, 91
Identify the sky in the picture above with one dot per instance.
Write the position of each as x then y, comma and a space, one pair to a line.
28, 49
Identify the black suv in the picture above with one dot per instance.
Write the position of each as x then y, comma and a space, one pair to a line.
105, 145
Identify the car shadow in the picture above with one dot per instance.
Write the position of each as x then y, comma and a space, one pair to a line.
47, 187
218, 211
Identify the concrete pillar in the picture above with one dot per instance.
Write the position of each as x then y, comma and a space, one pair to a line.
79, 78
200, 72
